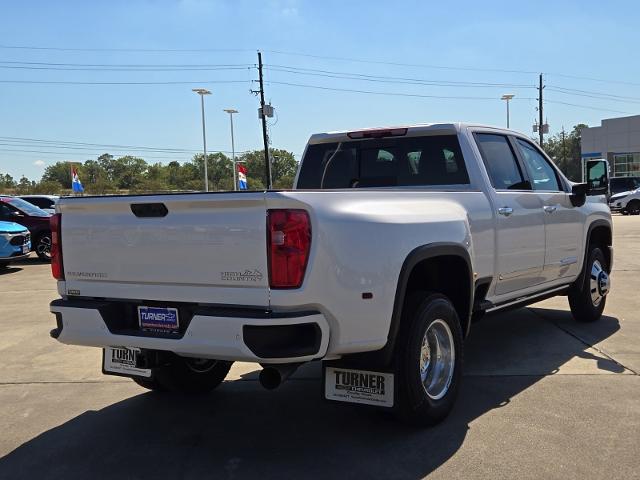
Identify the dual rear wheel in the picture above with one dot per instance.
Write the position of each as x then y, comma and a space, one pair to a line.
186, 375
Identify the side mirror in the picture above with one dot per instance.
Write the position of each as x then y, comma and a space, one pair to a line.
597, 177
16, 214
578, 194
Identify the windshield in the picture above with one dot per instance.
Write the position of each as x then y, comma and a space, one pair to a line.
427, 160
27, 208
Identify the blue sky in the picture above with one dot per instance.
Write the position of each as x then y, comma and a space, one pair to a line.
450, 43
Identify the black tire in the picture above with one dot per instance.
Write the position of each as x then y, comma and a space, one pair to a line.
414, 405
581, 301
149, 383
190, 375
42, 246
633, 207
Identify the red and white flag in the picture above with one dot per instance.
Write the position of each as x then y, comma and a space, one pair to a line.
242, 177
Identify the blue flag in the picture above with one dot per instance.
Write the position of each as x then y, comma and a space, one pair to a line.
75, 181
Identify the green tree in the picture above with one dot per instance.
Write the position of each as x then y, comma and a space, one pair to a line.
59, 172
25, 186
92, 172
283, 168
565, 150
128, 171
219, 168
6, 182
46, 187
154, 181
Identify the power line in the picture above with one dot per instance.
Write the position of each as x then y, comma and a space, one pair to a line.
598, 95
592, 79
398, 94
390, 79
62, 82
98, 153
585, 106
122, 67
399, 64
126, 50
117, 69
73, 147
129, 65
308, 55
61, 144
102, 145
82, 154
105, 145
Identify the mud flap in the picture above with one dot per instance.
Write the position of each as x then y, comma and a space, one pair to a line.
363, 387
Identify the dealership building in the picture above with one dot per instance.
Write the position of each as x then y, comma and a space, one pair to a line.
617, 140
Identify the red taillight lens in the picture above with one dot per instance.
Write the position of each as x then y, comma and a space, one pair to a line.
56, 247
288, 245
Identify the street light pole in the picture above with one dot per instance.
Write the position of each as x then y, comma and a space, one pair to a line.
507, 97
202, 92
231, 111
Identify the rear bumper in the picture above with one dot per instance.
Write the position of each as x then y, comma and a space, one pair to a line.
236, 334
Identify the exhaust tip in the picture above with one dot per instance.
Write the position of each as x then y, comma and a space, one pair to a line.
270, 378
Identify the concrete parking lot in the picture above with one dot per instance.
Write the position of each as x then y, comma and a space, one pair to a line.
543, 397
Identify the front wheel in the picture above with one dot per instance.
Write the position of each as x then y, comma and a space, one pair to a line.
587, 299
429, 362
187, 375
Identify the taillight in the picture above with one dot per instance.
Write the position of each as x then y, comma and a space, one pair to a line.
288, 245
57, 269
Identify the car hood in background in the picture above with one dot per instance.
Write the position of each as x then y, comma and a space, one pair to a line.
11, 227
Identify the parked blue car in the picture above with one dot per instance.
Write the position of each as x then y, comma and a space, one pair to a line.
15, 243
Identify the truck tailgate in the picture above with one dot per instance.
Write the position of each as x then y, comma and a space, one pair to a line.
208, 248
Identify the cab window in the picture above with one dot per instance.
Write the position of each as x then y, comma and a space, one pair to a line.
542, 174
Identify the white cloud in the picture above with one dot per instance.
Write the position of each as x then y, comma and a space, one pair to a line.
39, 163
290, 12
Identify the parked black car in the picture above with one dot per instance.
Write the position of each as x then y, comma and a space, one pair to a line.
623, 184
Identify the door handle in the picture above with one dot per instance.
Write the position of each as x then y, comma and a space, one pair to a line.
506, 211
550, 208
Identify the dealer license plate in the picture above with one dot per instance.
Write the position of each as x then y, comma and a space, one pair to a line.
122, 361
25, 249
359, 386
158, 319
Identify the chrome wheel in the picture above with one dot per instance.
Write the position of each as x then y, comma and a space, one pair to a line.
43, 248
598, 284
437, 359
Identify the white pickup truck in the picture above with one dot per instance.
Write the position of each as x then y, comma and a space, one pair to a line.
391, 243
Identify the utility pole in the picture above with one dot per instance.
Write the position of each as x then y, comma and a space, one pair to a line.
541, 125
265, 138
563, 150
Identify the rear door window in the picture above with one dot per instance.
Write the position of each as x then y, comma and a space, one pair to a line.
501, 163
407, 161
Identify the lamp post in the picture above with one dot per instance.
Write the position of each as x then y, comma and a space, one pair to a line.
507, 97
231, 111
202, 92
